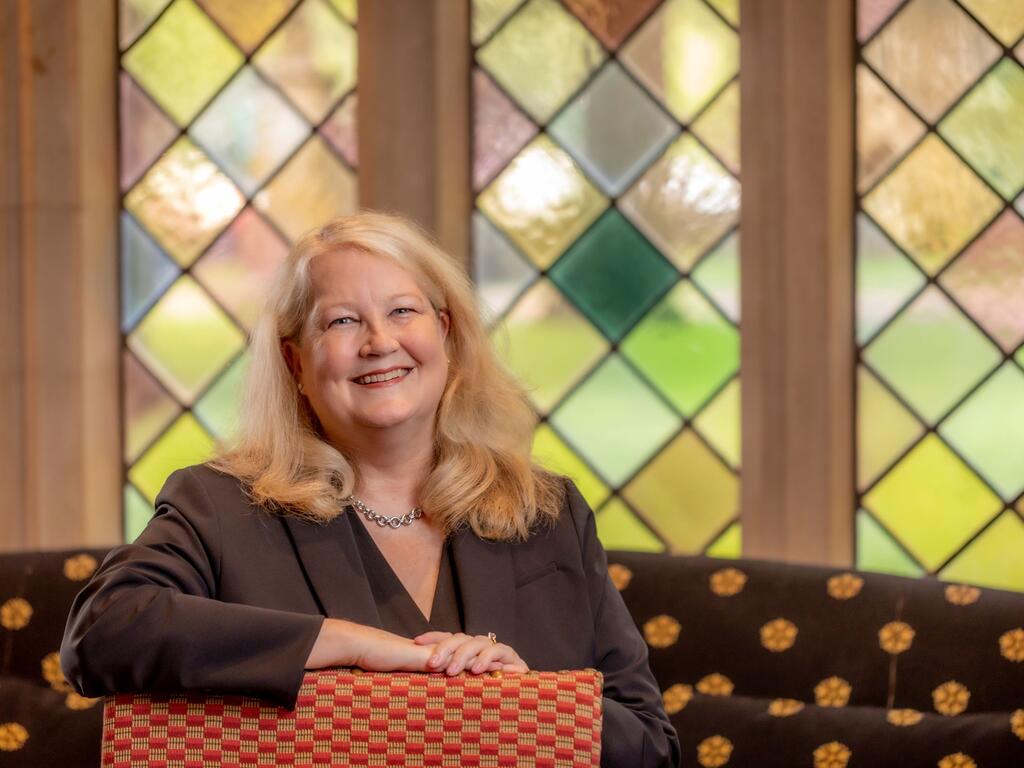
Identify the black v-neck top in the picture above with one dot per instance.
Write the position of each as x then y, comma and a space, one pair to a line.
398, 611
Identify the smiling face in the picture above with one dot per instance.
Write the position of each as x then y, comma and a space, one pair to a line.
372, 354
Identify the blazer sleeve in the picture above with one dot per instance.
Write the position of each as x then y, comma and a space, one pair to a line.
149, 620
636, 730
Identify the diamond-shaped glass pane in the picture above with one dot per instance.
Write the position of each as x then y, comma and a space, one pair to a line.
618, 527
500, 129
547, 343
719, 127
987, 125
728, 544
931, 354
541, 56
137, 513
148, 409
488, 15
685, 347
931, 52
184, 201
885, 429
240, 266
1003, 18
313, 187
886, 279
988, 280
349, 9
611, 21
249, 130
988, 430
871, 14
932, 502
615, 420
878, 551
729, 10
182, 60
550, 451
218, 408
134, 16
613, 129
312, 57
186, 339
687, 494
885, 128
145, 131
184, 444
719, 422
542, 201
932, 204
247, 22
685, 202
145, 272
684, 54
500, 273
341, 129
993, 559
718, 275
613, 274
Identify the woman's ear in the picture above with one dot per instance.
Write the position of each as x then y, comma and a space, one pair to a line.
446, 321
292, 358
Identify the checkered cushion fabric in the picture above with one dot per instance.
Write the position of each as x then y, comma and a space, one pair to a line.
349, 717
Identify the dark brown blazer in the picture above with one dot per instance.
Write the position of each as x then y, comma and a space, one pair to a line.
222, 596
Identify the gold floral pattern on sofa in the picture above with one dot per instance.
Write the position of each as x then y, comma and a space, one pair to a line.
957, 760
727, 582
1017, 724
778, 635
12, 736
1011, 645
832, 692
15, 613
620, 575
962, 594
903, 717
79, 567
715, 684
844, 586
835, 754
661, 631
676, 697
896, 637
714, 751
784, 707
951, 698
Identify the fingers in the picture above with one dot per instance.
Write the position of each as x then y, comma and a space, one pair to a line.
429, 638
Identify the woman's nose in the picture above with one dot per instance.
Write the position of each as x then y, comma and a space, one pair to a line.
379, 340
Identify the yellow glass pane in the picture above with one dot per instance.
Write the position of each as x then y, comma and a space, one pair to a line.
932, 502
488, 14
619, 528
932, 204
684, 55
719, 422
994, 558
719, 127
247, 22
931, 52
184, 201
729, 544
878, 551
184, 444
182, 60
147, 407
542, 201
730, 9
186, 339
885, 128
541, 57
547, 343
685, 203
134, 16
884, 428
314, 187
1004, 18
687, 494
550, 451
347, 8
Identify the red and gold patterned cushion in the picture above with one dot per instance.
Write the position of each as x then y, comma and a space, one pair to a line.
349, 717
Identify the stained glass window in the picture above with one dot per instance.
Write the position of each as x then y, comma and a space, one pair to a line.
940, 286
605, 249
237, 133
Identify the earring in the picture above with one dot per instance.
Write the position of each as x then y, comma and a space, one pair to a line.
300, 388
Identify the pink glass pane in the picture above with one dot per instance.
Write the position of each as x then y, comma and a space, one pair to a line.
342, 130
145, 131
500, 130
611, 21
871, 14
148, 408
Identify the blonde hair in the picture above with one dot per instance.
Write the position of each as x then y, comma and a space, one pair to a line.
482, 474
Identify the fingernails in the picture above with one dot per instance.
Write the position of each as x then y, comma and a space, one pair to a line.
477, 667
435, 659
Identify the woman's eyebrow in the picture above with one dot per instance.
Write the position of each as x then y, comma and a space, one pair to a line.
337, 304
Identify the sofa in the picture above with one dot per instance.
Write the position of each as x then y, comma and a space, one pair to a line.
760, 664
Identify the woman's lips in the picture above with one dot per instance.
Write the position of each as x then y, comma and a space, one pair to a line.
388, 383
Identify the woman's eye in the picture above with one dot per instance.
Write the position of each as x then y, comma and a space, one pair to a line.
405, 309
340, 321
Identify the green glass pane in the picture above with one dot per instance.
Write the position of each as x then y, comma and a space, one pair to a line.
313, 58
886, 129
147, 407
247, 22
685, 347
877, 551
182, 60
988, 280
134, 16
719, 422
718, 275
613, 274
615, 420
932, 204
886, 279
218, 408
613, 130
931, 354
988, 430
249, 130
684, 54
145, 272
186, 339
931, 52
499, 272
719, 127
729, 544
541, 57
184, 444
1003, 19
987, 125
619, 529
313, 187
685, 202
488, 14
547, 344
686, 493
550, 451
137, 513
500, 129
542, 201
240, 266
994, 558
184, 201
885, 429
932, 502
145, 131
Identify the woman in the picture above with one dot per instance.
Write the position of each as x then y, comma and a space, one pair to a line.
377, 508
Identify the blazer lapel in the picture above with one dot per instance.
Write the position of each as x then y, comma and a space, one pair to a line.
334, 569
486, 583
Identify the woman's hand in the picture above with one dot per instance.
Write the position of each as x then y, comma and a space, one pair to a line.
347, 644
474, 653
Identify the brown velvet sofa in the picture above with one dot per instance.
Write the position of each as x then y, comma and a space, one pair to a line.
761, 664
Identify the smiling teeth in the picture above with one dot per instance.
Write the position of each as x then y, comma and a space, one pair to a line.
383, 376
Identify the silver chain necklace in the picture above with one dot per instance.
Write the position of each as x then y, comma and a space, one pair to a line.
386, 522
